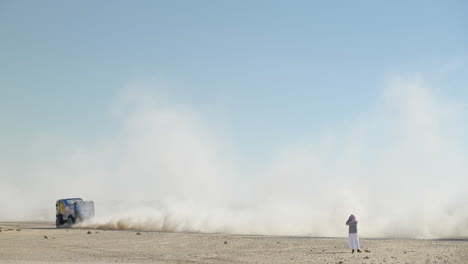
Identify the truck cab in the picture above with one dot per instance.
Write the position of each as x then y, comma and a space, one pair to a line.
71, 210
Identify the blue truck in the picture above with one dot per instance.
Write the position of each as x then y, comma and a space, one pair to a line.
72, 210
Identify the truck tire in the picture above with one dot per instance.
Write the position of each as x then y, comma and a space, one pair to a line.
70, 221
58, 221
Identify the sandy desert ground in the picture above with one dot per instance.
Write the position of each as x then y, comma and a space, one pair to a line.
40, 242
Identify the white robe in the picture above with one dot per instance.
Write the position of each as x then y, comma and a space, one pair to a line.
353, 241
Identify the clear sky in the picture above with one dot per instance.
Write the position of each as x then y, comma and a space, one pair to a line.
269, 71
258, 100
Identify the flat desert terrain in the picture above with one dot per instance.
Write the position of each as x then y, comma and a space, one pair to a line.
40, 242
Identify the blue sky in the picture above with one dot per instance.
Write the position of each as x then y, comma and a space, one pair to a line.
282, 106
268, 72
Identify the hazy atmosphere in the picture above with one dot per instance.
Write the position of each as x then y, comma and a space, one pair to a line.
242, 117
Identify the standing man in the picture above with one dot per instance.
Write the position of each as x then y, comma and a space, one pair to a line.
353, 239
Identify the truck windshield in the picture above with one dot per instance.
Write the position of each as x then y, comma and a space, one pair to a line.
71, 201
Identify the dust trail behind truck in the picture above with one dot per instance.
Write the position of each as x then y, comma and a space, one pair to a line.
72, 210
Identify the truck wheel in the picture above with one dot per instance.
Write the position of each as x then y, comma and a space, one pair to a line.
58, 222
70, 220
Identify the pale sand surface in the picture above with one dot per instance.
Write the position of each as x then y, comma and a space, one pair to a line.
77, 246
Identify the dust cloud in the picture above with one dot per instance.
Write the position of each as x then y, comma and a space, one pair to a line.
400, 168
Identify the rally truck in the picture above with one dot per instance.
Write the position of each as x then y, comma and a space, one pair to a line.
72, 210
